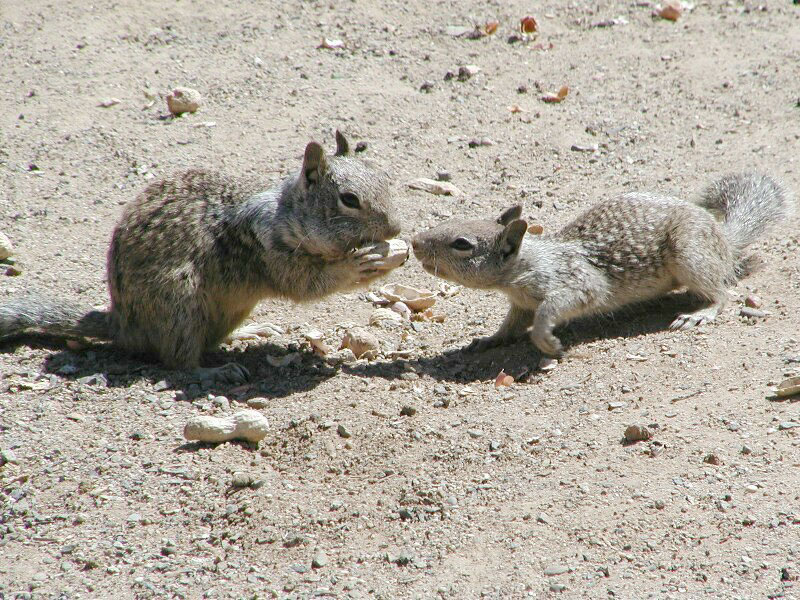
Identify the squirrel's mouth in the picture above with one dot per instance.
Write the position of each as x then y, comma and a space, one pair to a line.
433, 269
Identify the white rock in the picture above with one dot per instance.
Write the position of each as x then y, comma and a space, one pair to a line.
182, 100
362, 343
382, 317
437, 188
6, 248
401, 309
317, 340
789, 387
547, 364
249, 425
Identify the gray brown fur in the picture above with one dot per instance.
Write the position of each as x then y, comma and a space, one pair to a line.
193, 254
635, 247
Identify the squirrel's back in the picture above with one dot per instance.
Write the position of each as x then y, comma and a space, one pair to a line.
630, 236
176, 219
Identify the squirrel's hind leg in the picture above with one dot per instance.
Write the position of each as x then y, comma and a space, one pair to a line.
703, 263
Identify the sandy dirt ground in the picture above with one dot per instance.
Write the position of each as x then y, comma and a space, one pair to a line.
411, 476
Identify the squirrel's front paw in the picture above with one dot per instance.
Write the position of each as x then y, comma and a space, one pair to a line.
548, 344
369, 265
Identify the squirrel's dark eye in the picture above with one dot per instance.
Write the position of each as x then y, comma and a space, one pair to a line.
350, 200
461, 244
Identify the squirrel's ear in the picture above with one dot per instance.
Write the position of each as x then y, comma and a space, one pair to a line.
314, 164
511, 237
342, 145
510, 214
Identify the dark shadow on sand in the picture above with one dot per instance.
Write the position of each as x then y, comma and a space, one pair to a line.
452, 365
520, 359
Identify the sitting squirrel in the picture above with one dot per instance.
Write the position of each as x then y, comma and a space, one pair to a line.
194, 253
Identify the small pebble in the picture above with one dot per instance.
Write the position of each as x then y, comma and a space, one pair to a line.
343, 431
752, 301
257, 403
8, 456
556, 570
241, 480
182, 100
467, 71
637, 433
408, 410
752, 313
788, 425
221, 402
6, 248
477, 142
319, 560
712, 459
547, 364
363, 343
475, 433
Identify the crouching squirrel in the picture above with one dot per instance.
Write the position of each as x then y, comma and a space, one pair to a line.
634, 247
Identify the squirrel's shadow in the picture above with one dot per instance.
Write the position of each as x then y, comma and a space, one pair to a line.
104, 366
306, 371
521, 359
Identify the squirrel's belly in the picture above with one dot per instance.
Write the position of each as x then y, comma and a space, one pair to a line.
638, 290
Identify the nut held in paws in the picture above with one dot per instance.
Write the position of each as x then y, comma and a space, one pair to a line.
395, 251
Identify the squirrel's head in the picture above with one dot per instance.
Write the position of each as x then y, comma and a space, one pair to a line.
342, 201
472, 253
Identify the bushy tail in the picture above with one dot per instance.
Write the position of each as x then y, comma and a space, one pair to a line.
749, 205
37, 315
